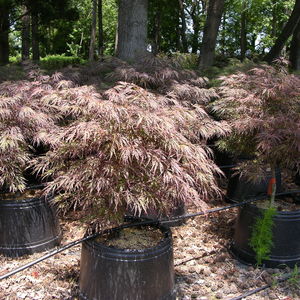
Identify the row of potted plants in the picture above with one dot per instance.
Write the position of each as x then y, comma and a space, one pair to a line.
263, 109
132, 150
27, 221
110, 153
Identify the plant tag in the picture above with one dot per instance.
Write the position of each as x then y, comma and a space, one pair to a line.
272, 182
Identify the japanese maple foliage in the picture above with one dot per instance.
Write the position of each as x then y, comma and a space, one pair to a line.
124, 148
132, 149
29, 111
263, 109
23, 123
164, 75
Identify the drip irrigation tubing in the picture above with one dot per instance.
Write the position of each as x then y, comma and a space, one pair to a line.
72, 244
227, 166
142, 223
211, 253
255, 291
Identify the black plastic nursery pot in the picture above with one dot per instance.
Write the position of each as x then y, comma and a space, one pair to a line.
239, 189
120, 274
297, 178
223, 160
286, 237
27, 226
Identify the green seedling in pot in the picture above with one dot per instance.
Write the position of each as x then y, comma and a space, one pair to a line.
262, 237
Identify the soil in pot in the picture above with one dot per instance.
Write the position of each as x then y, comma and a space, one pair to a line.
28, 194
28, 224
281, 204
133, 238
285, 234
118, 268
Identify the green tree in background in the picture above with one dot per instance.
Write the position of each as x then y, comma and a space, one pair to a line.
210, 32
80, 35
163, 26
241, 29
262, 20
285, 33
5, 6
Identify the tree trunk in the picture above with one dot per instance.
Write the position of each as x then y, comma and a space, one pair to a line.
195, 37
132, 29
243, 41
295, 49
211, 28
223, 36
4, 29
196, 17
183, 27
274, 18
253, 40
286, 32
157, 33
100, 29
179, 46
35, 37
93, 32
25, 33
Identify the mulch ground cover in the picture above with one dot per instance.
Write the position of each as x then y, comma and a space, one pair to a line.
204, 268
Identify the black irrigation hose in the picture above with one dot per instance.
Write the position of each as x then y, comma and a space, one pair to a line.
213, 252
187, 216
74, 243
254, 291
288, 192
147, 222
67, 246
227, 166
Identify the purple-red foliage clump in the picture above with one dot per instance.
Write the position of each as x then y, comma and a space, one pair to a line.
263, 108
133, 149
136, 145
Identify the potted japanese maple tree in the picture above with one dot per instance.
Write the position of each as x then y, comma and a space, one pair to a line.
263, 108
130, 150
28, 223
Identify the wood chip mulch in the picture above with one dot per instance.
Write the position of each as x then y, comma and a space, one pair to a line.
204, 268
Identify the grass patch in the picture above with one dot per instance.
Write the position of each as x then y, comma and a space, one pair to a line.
53, 62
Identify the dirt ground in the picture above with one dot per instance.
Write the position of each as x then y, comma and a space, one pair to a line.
204, 268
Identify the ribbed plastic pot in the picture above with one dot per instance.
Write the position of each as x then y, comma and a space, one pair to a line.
224, 160
239, 189
27, 226
117, 274
297, 178
286, 237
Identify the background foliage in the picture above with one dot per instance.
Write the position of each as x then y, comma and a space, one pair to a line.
64, 26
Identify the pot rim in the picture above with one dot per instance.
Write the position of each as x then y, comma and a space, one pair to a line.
25, 202
164, 242
279, 213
